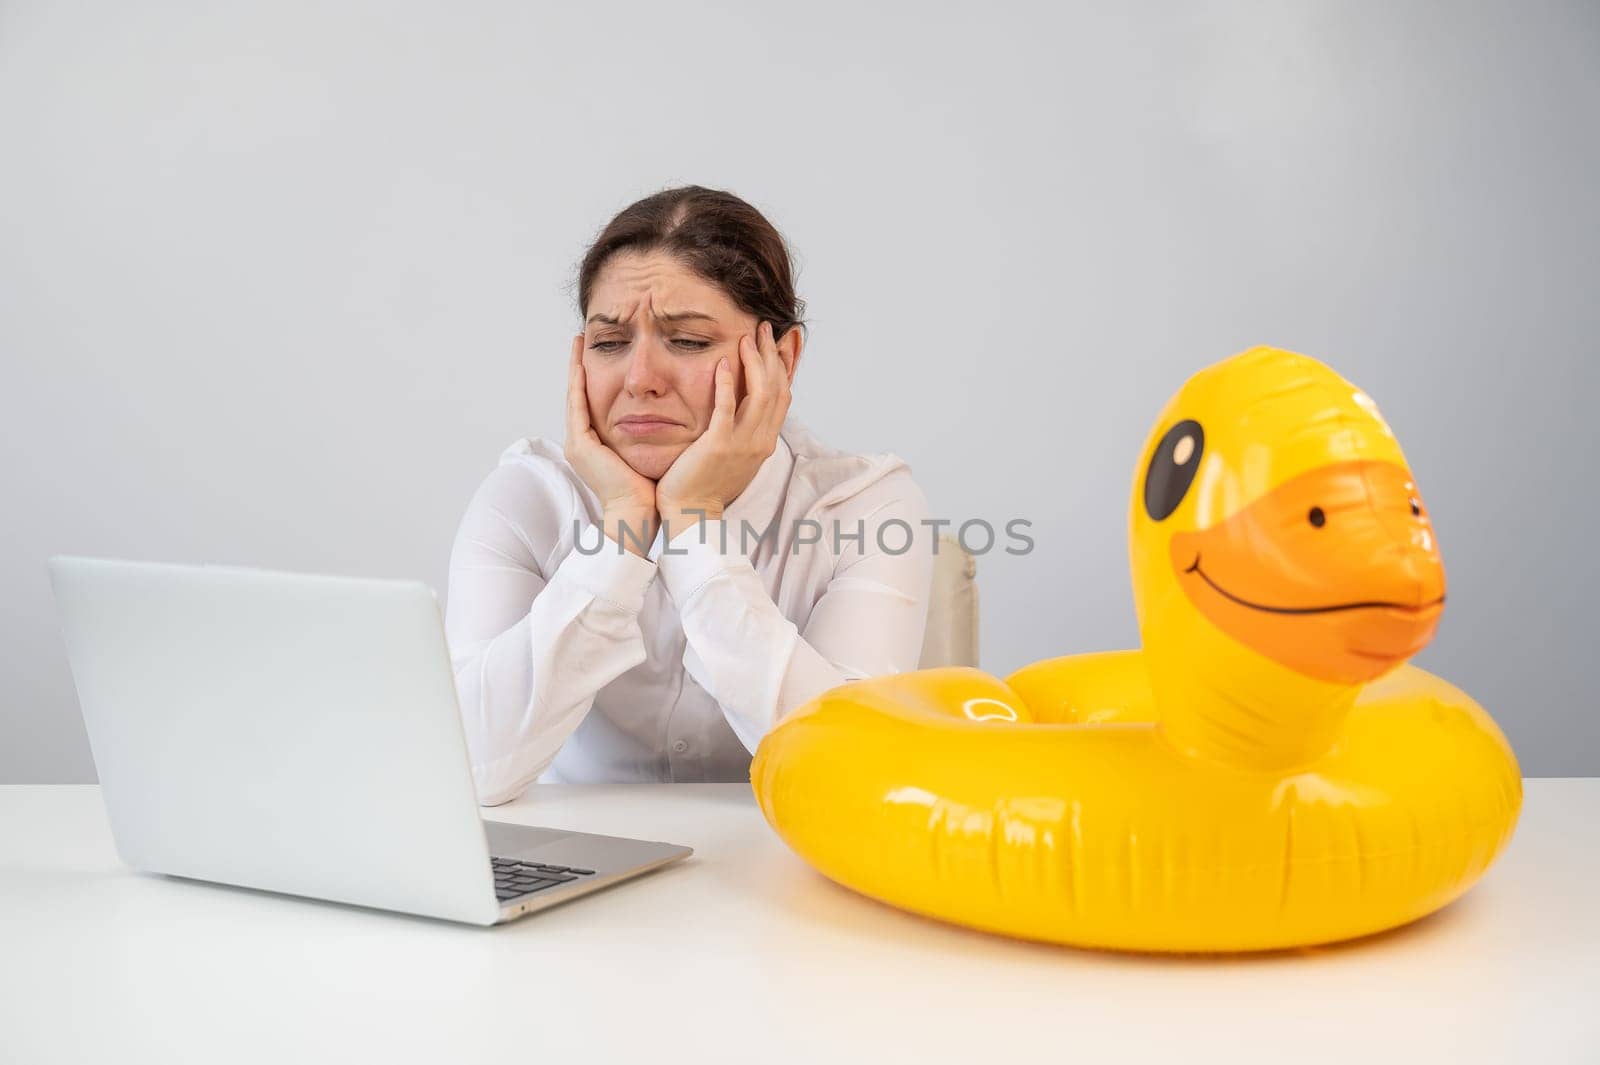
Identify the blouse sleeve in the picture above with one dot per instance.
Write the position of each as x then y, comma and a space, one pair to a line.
869, 621
531, 649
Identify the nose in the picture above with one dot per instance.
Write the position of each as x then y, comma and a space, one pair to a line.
646, 367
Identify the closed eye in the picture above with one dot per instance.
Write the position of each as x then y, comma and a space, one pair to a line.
683, 342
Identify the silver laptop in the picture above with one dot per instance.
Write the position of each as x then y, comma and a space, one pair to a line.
300, 734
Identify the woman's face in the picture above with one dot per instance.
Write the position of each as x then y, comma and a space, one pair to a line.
653, 336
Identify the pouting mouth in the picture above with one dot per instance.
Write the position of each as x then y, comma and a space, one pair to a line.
1416, 608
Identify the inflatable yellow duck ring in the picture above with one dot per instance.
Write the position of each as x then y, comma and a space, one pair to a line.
1266, 772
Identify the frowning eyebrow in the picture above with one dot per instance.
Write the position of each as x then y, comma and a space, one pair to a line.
679, 316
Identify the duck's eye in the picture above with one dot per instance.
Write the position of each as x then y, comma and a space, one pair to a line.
1317, 518
1416, 509
1172, 468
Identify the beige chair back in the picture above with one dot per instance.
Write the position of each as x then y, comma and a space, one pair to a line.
952, 634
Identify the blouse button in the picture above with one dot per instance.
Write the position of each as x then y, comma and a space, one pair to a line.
680, 746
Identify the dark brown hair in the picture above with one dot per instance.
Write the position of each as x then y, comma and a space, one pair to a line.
716, 235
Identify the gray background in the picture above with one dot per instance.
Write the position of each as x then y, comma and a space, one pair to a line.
279, 281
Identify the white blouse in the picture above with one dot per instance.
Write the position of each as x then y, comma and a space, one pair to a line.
578, 661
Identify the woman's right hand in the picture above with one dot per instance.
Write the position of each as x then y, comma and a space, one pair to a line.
627, 497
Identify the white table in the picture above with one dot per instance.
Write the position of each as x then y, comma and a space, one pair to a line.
743, 953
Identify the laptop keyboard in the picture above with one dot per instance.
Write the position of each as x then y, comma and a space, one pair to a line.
514, 878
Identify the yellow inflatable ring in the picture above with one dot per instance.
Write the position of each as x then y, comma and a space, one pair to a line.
1265, 772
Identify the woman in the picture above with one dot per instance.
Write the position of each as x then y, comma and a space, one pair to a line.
646, 601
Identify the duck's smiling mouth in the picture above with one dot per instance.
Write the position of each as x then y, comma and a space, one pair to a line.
1334, 573
1194, 567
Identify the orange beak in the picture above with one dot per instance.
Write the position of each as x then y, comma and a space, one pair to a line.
1335, 574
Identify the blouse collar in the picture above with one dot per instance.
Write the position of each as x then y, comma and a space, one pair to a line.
762, 498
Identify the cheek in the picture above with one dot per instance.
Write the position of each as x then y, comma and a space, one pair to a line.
705, 382
602, 385
699, 385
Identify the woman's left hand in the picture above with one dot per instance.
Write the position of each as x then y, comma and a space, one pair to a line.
722, 461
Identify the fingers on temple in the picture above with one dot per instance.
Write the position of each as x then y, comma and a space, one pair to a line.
759, 385
723, 399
